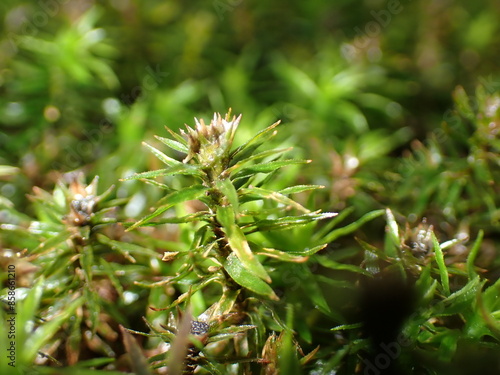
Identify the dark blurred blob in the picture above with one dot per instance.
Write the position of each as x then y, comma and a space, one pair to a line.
386, 302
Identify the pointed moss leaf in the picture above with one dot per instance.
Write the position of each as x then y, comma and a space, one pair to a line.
166, 335
288, 256
264, 135
265, 154
308, 251
238, 243
179, 137
490, 297
160, 155
289, 222
93, 305
194, 288
461, 299
328, 263
223, 336
84, 366
281, 255
227, 188
247, 279
110, 273
138, 361
448, 346
312, 289
472, 255
46, 331
157, 184
140, 333
345, 327
426, 285
309, 356
230, 332
261, 155
223, 306
255, 193
177, 146
74, 335
52, 242
28, 308
87, 262
236, 329
269, 167
59, 263
339, 232
393, 234
262, 212
128, 248
187, 194
300, 189
210, 368
181, 273
443, 270
197, 216
327, 227
287, 351
184, 169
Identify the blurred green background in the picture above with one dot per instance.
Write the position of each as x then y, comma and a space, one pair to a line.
394, 101
82, 83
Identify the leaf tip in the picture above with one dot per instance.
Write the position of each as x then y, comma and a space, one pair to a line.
274, 297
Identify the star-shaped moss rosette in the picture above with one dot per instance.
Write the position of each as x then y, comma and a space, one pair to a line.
71, 220
72, 200
75, 260
230, 181
82, 201
209, 144
67, 213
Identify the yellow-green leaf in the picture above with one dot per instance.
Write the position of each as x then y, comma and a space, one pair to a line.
443, 271
267, 167
160, 155
227, 188
238, 243
173, 144
137, 359
246, 279
185, 169
187, 194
